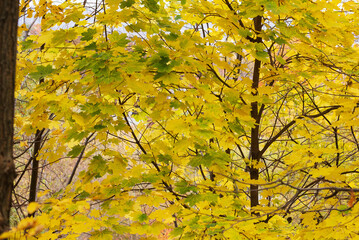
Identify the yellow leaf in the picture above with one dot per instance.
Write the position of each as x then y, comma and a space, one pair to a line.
7, 235
33, 206
43, 193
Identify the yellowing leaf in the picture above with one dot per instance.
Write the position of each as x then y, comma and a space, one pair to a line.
32, 207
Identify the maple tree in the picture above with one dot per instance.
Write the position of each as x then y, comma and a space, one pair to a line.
206, 119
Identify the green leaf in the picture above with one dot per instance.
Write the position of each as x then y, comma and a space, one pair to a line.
110, 191
171, 36
91, 46
150, 178
261, 56
143, 217
83, 195
163, 63
177, 231
164, 158
42, 72
193, 199
236, 127
175, 104
152, 5
98, 165
75, 151
76, 135
120, 39
211, 197
184, 187
280, 41
103, 235
88, 35
99, 127
120, 229
127, 3
26, 44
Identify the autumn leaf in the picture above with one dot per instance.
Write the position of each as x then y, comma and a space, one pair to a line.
32, 207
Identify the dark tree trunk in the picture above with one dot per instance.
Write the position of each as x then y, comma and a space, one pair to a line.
8, 41
255, 152
35, 167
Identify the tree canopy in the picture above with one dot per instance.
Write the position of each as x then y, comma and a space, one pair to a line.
191, 119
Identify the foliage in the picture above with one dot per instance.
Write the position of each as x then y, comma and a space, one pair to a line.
215, 119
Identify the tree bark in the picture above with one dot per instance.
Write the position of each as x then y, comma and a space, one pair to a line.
9, 13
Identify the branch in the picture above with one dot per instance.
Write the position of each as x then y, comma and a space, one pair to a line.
79, 158
167, 186
338, 189
218, 77
286, 127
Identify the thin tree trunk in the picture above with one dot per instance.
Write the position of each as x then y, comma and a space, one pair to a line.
8, 41
255, 152
35, 167
35, 163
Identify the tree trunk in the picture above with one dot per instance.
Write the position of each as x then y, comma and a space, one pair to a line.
255, 152
8, 43
35, 167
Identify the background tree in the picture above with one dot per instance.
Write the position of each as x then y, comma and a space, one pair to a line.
8, 44
220, 119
